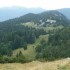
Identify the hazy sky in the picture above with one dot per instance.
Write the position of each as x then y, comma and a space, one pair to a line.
46, 4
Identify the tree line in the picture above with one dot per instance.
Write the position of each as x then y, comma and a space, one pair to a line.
57, 47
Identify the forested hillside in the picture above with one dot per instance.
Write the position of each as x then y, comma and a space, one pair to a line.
58, 45
16, 33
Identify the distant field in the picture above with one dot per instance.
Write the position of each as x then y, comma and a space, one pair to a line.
63, 64
31, 24
51, 28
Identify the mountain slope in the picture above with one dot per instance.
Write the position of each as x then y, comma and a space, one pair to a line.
42, 19
14, 35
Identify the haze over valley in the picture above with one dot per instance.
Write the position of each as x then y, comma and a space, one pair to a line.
7, 13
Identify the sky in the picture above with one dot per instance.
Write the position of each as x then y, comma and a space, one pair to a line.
46, 4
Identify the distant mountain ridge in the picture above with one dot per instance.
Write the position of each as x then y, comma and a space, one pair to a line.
65, 11
42, 19
13, 12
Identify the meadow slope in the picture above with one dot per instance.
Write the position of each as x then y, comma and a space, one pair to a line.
63, 64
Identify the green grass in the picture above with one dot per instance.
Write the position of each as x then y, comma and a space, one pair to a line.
42, 37
51, 27
30, 53
29, 24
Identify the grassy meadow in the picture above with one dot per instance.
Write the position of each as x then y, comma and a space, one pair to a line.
63, 64
30, 53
